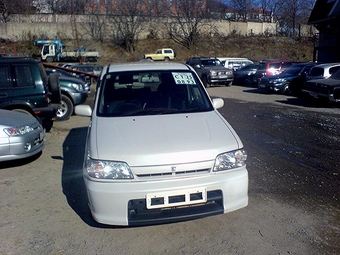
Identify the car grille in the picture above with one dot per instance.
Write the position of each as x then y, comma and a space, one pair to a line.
173, 174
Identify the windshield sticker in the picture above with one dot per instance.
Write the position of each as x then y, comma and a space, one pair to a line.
183, 78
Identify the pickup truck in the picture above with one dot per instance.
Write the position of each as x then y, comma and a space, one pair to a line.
165, 54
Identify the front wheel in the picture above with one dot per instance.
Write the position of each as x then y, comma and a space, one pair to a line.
286, 90
65, 110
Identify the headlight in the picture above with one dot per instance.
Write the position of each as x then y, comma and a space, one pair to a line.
276, 81
213, 73
102, 169
230, 160
13, 131
78, 87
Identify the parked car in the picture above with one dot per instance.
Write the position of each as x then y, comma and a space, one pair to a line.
271, 67
235, 63
323, 71
21, 135
211, 71
87, 68
73, 92
288, 82
324, 89
245, 74
25, 86
158, 151
165, 54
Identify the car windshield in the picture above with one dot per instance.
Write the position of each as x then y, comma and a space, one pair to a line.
294, 69
336, 75
151, 92
211, 62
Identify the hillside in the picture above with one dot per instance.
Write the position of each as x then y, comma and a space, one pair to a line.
255, 48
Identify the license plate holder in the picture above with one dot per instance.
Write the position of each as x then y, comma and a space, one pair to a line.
176, 198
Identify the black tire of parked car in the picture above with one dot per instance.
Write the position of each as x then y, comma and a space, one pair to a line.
166, 59
65, 110
286, 89
205, 82
54, 87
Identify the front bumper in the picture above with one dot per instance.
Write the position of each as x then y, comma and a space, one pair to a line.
15, 148
220, 80
79, 97
124, 202
270, 86
48, 112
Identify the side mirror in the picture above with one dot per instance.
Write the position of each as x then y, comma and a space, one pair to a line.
83, 110
218, 103
197, 66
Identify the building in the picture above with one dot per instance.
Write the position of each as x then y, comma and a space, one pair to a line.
325, 16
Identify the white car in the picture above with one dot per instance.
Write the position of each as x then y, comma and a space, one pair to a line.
21, 135
322, 71
157, 149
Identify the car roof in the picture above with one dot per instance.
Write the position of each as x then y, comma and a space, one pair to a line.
327, 64
144, 66
7, 59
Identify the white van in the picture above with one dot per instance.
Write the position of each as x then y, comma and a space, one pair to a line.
235, 63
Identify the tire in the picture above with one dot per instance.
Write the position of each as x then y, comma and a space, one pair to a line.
205, 82
228, 84
54, 88
286, 89
49, 59
65, 110
166, 59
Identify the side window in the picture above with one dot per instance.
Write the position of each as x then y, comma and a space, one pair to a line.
4, 77
333, 69
23, 76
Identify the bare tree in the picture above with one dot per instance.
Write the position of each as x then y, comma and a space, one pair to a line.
8, 7
188, 22
241, 9
67, 6
96, 27
127, 19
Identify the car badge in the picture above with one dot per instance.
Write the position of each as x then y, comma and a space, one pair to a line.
173, 170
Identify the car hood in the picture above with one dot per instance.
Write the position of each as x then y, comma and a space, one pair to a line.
16, 119
161, 139
65, 79
286, 76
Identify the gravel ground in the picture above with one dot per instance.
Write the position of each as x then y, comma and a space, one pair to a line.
44, 210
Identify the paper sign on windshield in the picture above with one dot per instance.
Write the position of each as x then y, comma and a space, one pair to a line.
183, 78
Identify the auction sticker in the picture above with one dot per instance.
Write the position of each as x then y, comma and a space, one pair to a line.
183, 78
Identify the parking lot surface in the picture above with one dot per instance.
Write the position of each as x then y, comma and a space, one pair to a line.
294, 190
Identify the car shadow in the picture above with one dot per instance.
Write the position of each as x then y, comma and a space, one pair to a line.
295, 99
20, 162
72, 175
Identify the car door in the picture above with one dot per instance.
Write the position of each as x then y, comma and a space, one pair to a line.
5, 85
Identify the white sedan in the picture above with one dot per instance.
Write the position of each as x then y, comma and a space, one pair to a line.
21, 135
157, 149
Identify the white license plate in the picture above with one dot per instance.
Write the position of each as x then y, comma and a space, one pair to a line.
176, 198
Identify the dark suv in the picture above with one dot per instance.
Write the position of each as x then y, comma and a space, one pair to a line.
271, 67
25, 86
211, 71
